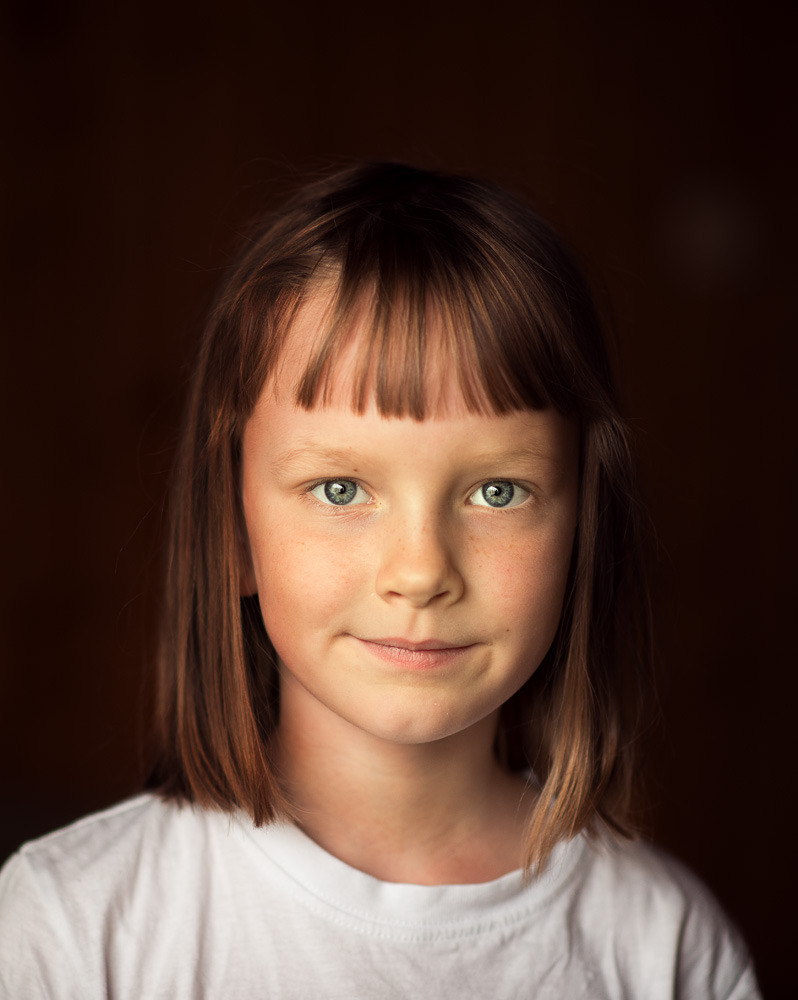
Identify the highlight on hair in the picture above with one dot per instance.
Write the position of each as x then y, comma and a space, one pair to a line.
514, 318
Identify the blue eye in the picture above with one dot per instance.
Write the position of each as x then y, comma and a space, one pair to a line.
499, 493
341, 492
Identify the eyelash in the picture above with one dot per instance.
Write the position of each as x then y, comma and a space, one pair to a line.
515, 486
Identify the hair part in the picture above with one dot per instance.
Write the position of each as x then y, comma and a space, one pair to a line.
426, 263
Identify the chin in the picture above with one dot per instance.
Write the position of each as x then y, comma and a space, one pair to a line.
414, 728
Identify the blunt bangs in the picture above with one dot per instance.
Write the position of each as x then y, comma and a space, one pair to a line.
415, 314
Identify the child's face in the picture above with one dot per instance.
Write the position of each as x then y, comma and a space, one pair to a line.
411, 574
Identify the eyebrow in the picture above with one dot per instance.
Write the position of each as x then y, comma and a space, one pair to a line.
520, 456
342, 456
315, 452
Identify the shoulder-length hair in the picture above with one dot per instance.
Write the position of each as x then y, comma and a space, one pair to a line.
520, 329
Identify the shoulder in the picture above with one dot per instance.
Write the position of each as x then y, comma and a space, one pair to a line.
662, 920
637, 878
646, 877
101, 853
59, 893
108, 841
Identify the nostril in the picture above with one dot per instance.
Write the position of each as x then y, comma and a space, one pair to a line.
419, 585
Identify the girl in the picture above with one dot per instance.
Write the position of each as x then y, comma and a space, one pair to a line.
405, 646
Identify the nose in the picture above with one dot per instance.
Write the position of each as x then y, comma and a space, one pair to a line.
417, 567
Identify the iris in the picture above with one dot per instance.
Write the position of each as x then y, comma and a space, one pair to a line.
340, 491
498, 494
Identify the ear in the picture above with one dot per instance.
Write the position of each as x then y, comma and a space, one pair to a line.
247, 584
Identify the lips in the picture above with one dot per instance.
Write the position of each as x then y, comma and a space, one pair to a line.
429, 654
426, 644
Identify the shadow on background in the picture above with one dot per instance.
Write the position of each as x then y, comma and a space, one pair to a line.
657, 139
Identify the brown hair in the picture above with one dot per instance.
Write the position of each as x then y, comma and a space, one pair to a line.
520, 328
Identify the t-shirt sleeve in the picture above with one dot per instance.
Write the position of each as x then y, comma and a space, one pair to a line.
36, 959
664, 932
746, 987
715, 962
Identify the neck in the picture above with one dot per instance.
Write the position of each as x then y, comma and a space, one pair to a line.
435, 813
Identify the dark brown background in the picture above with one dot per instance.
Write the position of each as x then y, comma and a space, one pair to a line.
658, 138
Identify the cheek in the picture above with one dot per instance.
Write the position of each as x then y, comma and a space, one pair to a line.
526, 581
302, 580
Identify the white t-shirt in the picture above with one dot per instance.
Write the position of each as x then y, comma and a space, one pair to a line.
149, 900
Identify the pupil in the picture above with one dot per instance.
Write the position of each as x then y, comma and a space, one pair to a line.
498, 494
340, 492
